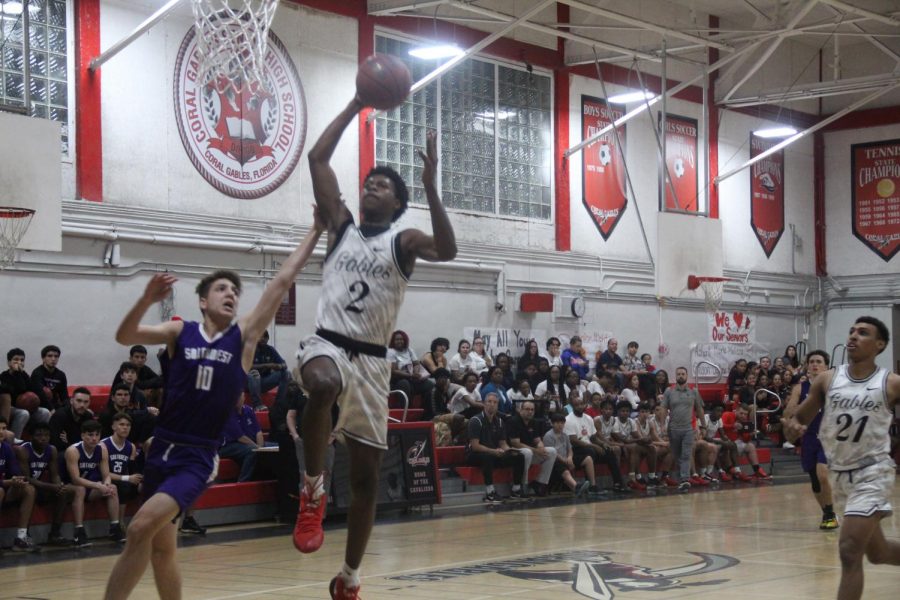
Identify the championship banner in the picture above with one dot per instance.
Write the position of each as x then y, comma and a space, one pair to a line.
734, 327
876, 196
419, 464
603, 169
723, 356
502, 339
681, 162
767, 194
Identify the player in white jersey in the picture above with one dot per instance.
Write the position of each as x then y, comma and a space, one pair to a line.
857, 402
363, 283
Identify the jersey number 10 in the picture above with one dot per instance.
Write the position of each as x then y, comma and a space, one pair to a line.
204, 377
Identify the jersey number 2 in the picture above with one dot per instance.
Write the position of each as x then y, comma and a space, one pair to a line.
361, 290
846, 421
204, 377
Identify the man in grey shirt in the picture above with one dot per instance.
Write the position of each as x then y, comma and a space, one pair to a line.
682, 404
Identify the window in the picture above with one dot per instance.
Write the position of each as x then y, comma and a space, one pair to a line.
47, 72
495, 134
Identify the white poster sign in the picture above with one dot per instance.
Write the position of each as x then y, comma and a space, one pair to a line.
711, 363
502, 339
591, 341
732, 327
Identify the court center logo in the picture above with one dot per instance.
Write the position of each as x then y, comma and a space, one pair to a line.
245, 145
591, 574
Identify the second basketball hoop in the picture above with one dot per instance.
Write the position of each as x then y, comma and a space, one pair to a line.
713, 290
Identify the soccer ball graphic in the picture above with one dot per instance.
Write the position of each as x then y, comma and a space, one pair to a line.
679, 167
605, 155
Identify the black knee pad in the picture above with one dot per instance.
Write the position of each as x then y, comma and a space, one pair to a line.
814, 480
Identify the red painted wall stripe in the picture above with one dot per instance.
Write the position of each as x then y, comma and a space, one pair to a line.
89, 133
563, 196
713, 133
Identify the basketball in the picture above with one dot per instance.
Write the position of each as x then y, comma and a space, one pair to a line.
383, 81
28, 401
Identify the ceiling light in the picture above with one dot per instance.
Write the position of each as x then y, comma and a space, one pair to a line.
775, 132
627, 97
12, 7
436, 51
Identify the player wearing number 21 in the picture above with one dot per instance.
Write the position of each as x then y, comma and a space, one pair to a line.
363, 283
857, 402
207, 371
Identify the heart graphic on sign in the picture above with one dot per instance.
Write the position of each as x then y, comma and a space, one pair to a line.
738, 318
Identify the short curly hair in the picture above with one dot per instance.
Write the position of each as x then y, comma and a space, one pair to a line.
400, 190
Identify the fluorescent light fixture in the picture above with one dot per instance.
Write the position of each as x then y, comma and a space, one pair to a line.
12, 7
775, 132
631, 97
436, 51
501, 116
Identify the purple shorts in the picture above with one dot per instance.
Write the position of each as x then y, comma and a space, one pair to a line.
811, 453
182, 472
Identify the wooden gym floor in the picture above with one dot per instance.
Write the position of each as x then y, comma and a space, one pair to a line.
755, 542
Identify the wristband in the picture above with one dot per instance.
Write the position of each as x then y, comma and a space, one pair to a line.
126, 477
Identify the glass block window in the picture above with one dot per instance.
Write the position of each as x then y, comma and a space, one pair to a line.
47, 73
495, 136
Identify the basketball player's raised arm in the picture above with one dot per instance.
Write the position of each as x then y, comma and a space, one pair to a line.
793, 401
441, 247
325, 184
130, 329
795, 426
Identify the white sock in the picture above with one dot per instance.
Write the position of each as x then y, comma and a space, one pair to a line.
516, 487
631, 476
350, 576
490, 489
113, 523
315, 485
21, 533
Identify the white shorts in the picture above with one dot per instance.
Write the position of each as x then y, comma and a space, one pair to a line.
365, 384
865, 491
742, 446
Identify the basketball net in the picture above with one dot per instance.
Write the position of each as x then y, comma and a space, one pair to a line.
232, 42
14, 223
713, 290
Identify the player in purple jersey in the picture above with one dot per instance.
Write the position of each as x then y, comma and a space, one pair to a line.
345, 362
811, 453
39, 459
206, 370
14, 487
122, 455
87, 465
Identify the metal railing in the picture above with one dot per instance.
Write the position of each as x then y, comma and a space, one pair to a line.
764, 411
403, 395
843, 350
698, 375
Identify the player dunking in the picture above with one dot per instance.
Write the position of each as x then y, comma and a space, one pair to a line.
857, 402
363, 283
812, 454
207, 370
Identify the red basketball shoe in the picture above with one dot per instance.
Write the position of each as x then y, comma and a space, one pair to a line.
741, 476
637, 486
308, 534
340, 591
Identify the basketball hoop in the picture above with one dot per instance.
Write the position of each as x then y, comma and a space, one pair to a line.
232, 42
713, 290
14, 223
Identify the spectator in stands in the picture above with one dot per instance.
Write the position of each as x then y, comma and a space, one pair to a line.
436, 358
715, 434
554, 352
65, 424
637, 447
122, 455
437, 406
659, 424
526, 435
522, 390
632, 392
739, 428
779, 366
647, 359
564, 466
573, 358
39, 463
241, 437
495, 386
14, 385
604, 423
489, 449
407, 375
143, 420
466, 400
48, 381
765, 365
662, 383
148, 382
268, 371
541, 374
464, 361
611, 362
790, 358
87, 465
128, 375
631, 362
479, 351
531, 356
705, 457
682, 403
551, 393
15, 488
737, 377
505, 363
574, 381
586, 442
595, 406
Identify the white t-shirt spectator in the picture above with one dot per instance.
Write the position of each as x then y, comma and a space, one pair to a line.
662, 429
624, 429
553, 360
582, 427
713, 428
516, 396
606, 427
403, 358
458, 402
542, 394
594, 387
469, 363
632, 397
